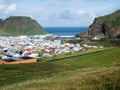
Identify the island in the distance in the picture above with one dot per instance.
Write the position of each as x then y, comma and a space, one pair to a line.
20, 25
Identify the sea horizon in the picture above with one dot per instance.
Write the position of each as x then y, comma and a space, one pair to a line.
65, 30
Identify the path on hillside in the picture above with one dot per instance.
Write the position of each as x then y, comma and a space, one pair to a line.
57, 59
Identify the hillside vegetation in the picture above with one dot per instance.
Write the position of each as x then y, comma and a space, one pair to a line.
18, 25
104, 26
97, 71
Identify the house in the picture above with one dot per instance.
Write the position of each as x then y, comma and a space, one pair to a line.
18, 60
95, 38
47, 55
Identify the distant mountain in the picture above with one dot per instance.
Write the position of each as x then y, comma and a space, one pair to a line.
105, 26
18, 25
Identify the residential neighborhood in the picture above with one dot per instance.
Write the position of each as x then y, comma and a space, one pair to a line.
36, 46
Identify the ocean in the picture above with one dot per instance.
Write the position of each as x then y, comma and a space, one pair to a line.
65, 31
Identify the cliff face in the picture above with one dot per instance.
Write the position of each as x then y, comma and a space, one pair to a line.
108, 26
1, 23
17, 25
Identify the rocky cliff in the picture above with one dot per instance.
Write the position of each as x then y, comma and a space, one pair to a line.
18, 25
105, 26
1, 23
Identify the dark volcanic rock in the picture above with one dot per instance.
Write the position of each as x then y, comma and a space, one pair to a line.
1, 23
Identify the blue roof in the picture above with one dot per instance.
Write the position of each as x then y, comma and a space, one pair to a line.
17, 58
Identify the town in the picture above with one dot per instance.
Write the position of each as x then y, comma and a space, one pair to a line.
31, 46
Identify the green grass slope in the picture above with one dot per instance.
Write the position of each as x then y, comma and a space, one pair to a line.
98, 71
17, 25
104, 58
111, 20
104, 26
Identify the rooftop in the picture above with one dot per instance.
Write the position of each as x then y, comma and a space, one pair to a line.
17, 58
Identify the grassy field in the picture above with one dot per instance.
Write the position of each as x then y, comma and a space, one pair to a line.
104, 58
105, 42
99, 78
63, 55
98, 71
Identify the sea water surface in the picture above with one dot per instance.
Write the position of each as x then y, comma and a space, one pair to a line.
65, 31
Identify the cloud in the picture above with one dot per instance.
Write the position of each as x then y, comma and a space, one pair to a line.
59, 12
11, 8
1, 6
81, 12
80, 15
69, 15
66, 14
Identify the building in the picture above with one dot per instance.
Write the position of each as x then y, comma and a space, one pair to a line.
19, 60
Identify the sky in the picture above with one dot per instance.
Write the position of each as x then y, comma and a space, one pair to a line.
59, 12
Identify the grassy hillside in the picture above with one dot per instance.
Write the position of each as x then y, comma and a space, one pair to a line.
112, 20
104, 78
72, 54
98, 71
104, 26
17, 25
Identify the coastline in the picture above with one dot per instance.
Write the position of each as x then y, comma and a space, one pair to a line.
65, 31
